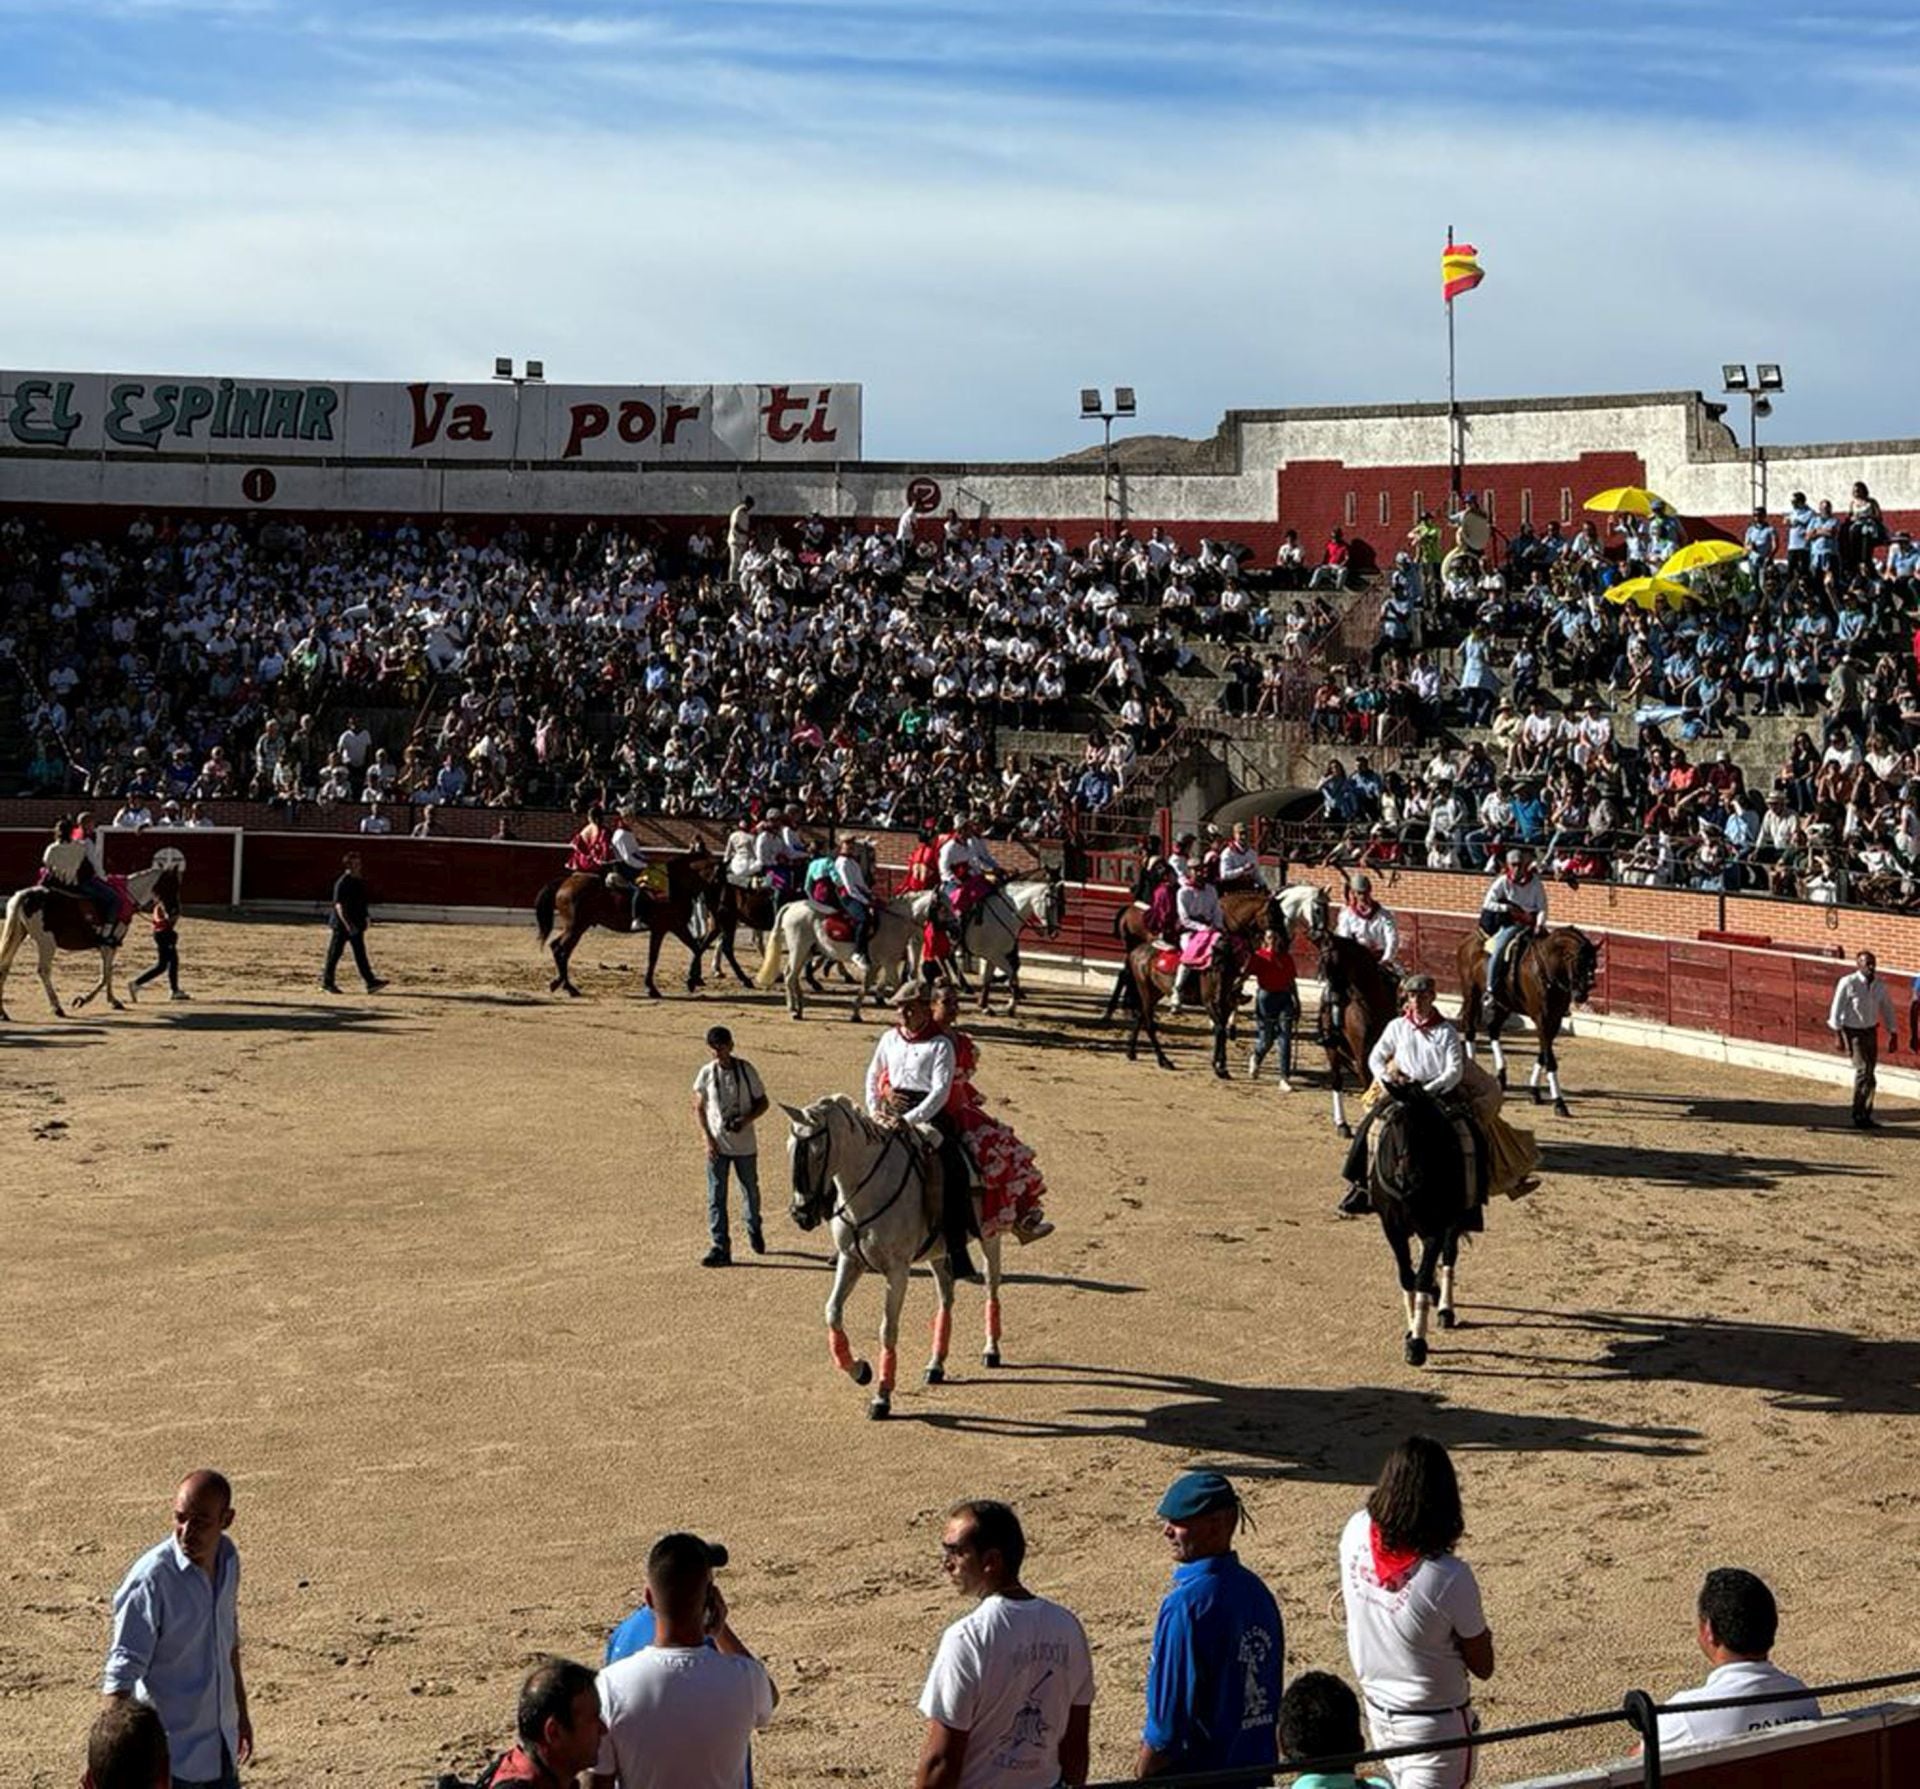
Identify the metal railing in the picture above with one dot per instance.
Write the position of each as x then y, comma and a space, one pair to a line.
1638, 1711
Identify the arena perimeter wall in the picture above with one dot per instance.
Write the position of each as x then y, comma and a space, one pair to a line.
1366, 468
1725, 977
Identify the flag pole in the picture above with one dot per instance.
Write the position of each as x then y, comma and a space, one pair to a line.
1454, 454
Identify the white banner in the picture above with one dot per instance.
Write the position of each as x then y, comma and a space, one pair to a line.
424, 422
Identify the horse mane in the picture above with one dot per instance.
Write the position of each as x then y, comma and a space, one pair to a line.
831, 1105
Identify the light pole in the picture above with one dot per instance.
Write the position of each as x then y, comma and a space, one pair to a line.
1093, 404
1766, 380
535, 374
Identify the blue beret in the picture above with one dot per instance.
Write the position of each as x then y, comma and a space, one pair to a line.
1197, 1494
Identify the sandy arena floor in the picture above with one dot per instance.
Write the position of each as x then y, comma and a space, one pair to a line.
419, 1272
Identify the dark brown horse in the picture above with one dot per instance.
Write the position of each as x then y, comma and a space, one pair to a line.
1540, 983
734, 907
571, 906
1149, 984
1248, 912
1356, 1004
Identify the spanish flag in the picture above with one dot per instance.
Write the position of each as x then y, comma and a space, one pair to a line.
1460, 269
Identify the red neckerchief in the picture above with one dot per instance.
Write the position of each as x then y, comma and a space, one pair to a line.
1424, 1025
1392, 1566
1362, 906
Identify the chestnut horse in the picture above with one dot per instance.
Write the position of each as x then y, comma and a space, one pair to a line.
1540, 979
1353, 985
570, 906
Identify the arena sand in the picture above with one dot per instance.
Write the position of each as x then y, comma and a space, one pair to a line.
419, 1271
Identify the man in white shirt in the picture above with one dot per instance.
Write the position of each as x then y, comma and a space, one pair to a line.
1009, 1699
1514, 906
908, 1081
1239, 862
967, 869
739, 853
739, 537
1366, 921
1738, 1620
629, 861
354, 744
1861, 1004
680, 1714
1421, 1048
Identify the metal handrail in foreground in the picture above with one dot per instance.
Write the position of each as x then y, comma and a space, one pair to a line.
1637, 1710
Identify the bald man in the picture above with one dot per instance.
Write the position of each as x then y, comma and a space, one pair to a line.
176, 1638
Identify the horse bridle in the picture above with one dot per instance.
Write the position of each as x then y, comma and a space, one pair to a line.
821, 1193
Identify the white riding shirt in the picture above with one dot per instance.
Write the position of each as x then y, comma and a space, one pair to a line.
908, 1063
1435, 1056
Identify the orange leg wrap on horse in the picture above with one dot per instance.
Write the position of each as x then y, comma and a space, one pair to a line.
942, 1333
889, 1369
840, 1350
993, 1319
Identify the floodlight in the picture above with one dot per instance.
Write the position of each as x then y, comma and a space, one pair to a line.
1768, 376
503, 366
1734, 378
536, 369
1123, 400
1090, 404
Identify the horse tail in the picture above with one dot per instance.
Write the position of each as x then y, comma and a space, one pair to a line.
543, 905
13, 930
773, 956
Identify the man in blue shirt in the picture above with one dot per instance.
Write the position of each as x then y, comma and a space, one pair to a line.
1213, 1679
176, 1638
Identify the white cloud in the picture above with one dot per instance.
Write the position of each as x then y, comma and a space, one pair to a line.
973, 290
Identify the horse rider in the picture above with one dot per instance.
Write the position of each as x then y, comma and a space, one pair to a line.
856, 898
1421, 1046
1238, 868
773, 856
72, 863
1181, 855
915, 1060
739, 853
627, 866
923, 863
591, 846
1514, 906
1366, 921
1202, 924
968, 873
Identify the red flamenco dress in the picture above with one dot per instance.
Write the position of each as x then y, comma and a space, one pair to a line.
1012, 1189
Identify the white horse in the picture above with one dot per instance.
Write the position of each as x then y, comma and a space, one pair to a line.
800, 930
1303, 906
57, 919
878, 1189
992, 931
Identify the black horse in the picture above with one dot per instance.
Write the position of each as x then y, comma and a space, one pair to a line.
1427, 1180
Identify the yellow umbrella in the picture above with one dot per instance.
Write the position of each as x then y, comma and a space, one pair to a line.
1650, 593
1699, 556
1626, 500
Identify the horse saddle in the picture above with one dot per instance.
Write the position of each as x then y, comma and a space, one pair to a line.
1166, 962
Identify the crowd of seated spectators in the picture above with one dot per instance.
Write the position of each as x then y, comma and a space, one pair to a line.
856, 676
1612, 728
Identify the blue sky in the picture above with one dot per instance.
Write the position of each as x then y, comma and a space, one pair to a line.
972, 206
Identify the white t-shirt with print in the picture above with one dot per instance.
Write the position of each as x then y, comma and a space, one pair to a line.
1401, 1641
1743, 1677
681, 1717
730, 1091
1007, 1674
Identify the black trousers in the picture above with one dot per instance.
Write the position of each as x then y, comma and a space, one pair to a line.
956, 1181
340, 941
167, 948
1863, 1045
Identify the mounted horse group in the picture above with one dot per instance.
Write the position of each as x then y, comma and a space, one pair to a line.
809, 907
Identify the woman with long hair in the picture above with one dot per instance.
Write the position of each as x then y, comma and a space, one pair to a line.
1416, 1632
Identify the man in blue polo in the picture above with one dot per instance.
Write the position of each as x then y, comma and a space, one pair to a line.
1213, 1680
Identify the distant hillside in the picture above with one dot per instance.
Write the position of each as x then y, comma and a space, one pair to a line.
1146, 450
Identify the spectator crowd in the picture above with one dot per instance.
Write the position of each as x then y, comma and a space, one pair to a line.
1608, 736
